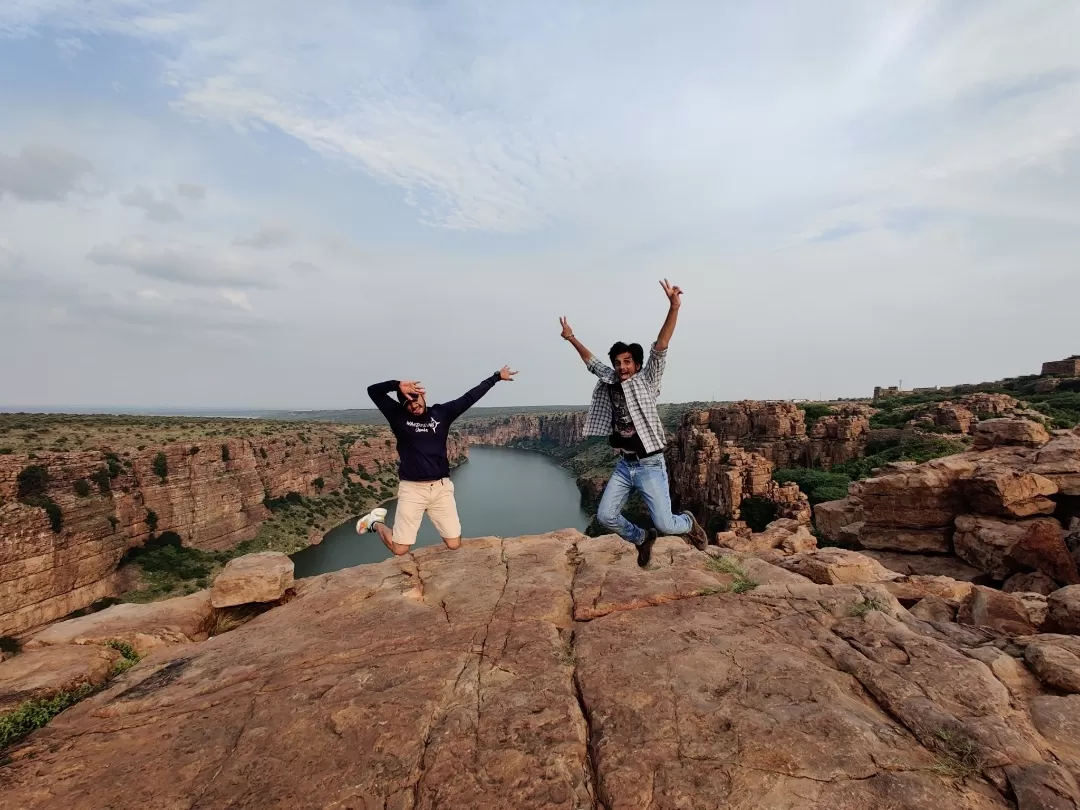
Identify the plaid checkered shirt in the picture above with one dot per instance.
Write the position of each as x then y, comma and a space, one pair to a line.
641, 392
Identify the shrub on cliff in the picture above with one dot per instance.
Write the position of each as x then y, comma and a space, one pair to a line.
151, 520
51, 507
224, 452
819, 485
814, 411
160, 466
101, 478
32, 481
82, 488
318, 483
917, 449
757, 512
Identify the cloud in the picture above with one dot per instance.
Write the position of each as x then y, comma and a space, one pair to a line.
268, 236
191, 191
237, 299
304, 267
42, 173
150, 295
157, 210
181, 264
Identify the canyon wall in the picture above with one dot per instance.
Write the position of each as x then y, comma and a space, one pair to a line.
210, 502
551, 429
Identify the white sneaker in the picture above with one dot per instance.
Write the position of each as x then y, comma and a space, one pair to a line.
364, 524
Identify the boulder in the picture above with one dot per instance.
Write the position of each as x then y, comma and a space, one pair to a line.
933, 609
1003, 612
1060, 462
1064, 609
910, 541
145, 627
1037, 608
261, 577
999, 490
936, 565
786, 536
1036, 582
837, 566
1055, 666
910, 590
1002, 548
832, 516
1009, 433
926, 496
47, 671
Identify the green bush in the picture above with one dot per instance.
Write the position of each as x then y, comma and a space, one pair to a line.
160, 466
224, 452
757, 512
819, 485
318, 483
813, 412
101, 478
151, 520
6, 451
193, 450
32, 481
262, 452
113, 462
82, 488
34, 714
918, 449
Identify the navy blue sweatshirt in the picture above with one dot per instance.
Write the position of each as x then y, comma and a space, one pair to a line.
421, 440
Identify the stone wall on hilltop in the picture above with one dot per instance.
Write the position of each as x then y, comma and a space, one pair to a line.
553, 429
211, 503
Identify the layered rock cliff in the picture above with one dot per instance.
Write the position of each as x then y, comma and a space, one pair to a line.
551, 672
544, 429
211, 495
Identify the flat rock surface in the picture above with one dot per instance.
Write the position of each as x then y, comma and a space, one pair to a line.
461, 680
45, 672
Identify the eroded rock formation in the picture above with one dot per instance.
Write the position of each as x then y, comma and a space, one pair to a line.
713, 477
551, 672
550, 429
1005, 508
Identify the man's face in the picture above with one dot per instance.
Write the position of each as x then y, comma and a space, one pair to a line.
625, 366
416, 406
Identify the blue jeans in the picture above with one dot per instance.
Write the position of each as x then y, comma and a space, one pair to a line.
649, 477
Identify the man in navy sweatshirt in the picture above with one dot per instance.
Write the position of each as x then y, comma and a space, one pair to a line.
424, 469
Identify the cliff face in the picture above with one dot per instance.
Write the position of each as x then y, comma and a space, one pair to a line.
212, 503
551, 673
778, 432
712, 476
555, 429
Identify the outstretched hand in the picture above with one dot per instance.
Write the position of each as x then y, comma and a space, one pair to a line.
567, 332
673, 293
411, 389
506, 375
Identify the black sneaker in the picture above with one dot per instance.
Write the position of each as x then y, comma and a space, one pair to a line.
696, 537
644, 551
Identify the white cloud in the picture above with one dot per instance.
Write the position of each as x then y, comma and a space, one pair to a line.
150, 295
191, 191
159, 210
42, 173
237, 299
268, 236
181, 263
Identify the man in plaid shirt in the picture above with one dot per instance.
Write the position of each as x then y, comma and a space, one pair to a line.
624, 409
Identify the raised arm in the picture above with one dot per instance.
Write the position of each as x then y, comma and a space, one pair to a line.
456, 407
674, 296
380, 395
568, 336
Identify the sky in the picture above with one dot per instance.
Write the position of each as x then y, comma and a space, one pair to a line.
273, 204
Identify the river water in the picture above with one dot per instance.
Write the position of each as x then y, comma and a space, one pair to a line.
500, 491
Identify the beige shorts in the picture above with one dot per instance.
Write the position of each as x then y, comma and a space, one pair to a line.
436, 498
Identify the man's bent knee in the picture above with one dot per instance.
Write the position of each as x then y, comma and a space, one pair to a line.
609, 520
452, 543
668, 526
400, 550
